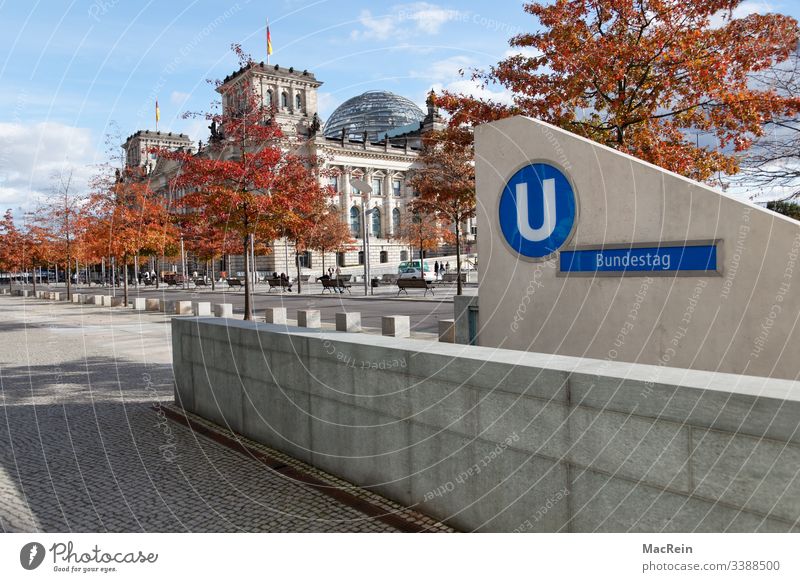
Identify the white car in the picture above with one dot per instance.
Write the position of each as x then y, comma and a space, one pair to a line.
415, 273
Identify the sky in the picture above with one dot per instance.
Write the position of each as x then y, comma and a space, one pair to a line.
77, 77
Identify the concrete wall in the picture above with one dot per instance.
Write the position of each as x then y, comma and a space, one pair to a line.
742, 321
501, 440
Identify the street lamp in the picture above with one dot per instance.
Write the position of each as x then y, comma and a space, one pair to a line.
365, 189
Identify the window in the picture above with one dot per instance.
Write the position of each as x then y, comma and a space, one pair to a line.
397, 187
384, 257
284, 100
395, 221
305, 259
340, 258
377, 186
355, 222
403, 255
376, 223
333, 182
360, 257
269, 98
473, 230
298, 102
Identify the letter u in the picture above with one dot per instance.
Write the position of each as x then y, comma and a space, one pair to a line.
549, 212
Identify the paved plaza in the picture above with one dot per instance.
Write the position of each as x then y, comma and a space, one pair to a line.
84, 446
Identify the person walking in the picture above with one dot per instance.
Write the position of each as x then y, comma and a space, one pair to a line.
436, 269
447, 267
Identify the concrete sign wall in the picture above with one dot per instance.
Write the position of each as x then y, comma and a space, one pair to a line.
585, 251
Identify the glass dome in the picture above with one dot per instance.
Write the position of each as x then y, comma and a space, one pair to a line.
375, 112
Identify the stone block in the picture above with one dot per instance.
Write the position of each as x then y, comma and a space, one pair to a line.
202, 308
276, 315
447, 331
183, 308
97, 299
167, 306
117, 301
396, 325
309, 318
26, 293
350, 322
106, 300
152, 304
139, 303
223, 310
77, 298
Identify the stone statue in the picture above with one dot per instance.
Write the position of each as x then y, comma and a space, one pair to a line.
216, 133
315, 125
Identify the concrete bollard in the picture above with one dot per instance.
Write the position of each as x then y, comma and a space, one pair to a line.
97, 299
447, 331
201, 308
183, 308
167, 306
117, 302
309, 318
396, 325
348, 322
77, 298
139, 303
276, 315
106, 300
152, 304
223, 309
55, 296
26, 293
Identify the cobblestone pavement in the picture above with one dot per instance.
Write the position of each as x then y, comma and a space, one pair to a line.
83, 449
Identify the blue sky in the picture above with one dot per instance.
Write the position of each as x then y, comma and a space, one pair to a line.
71, 70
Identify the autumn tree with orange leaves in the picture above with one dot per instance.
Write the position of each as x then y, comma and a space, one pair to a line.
446, 182
423, 232
240, 184
639, 75
328, 233
127, 220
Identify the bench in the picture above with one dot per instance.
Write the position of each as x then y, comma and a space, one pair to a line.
452, 277
279, 283
334, 285
233, 282
406, 284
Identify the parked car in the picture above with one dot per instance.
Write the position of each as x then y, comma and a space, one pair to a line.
415, 273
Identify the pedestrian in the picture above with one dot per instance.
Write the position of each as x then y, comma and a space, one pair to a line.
447, 267
436, 268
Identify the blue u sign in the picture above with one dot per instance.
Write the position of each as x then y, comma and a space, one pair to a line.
537, 210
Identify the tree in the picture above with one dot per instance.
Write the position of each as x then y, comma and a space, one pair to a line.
774, 161
10, 239
328, 233
36, 249
62, 213
299, 205
423, 232
790, 209
446, 181
129, 219
239, 185
636, 75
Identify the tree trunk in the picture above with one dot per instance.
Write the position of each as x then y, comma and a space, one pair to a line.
212, 273
125, 283
34, 281
297, 264
459, 289
248, 308
67, 277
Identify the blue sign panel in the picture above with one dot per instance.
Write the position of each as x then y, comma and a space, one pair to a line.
694, 258
537, 210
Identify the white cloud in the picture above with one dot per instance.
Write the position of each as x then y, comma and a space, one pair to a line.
446, 70
31, 154
476, 90
742, 10
326, 104
403, 21
178, 98
525, 51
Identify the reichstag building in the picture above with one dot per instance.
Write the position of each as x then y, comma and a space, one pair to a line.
374, 137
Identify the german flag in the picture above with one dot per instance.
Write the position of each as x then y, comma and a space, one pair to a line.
269, 41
